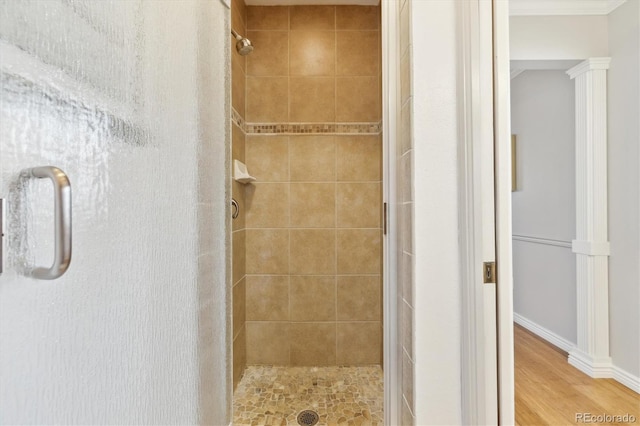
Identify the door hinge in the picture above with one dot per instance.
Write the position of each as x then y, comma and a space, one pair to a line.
489, 272
384, 218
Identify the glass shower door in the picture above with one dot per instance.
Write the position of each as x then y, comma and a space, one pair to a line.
129, 99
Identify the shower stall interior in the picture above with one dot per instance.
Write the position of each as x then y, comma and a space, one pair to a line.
307, 237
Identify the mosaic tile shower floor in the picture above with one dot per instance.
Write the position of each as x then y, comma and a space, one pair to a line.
342, 396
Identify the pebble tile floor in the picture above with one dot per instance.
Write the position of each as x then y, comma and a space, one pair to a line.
342, 396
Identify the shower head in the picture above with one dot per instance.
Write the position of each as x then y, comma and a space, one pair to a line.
243, 45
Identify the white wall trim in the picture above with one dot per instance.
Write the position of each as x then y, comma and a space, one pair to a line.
390, 112
591, 248
544, 333
563, 7
543, 241
627, 379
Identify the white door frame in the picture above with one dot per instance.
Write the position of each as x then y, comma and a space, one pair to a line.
390, 113
502, 126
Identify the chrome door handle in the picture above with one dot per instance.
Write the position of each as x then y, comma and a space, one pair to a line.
62, 229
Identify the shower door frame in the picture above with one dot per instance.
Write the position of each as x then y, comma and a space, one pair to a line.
390, 116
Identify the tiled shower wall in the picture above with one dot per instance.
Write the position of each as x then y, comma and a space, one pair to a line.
238, 81
404, 159
313, 222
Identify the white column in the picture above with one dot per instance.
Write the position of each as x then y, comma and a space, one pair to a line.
591, 245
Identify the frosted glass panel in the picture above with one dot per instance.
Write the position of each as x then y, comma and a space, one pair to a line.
129, 98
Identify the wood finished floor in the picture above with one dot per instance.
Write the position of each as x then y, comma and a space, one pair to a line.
549, 391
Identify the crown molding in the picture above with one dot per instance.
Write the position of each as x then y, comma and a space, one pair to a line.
562, 7
588, 65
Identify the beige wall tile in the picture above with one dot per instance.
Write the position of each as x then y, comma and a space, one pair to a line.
313, 298
238, 15
312, 158
312, 17
267, 297
406, 136
357, 53
357, 99
270, 56
312, 53
359, 158
359, 251
407, 417
313, 251
239, 356
265, 99
357, 17
267, 158
239, 305
405, 79
405, 28
358, 343
267, 251
407, 328
238, 242
267, 18
267, 343
359, 298
406, 277
267, 205
313, 344
237, 87
407, 380
358, 205
406, 176
313, 205
312, 99
237, 143
406, 227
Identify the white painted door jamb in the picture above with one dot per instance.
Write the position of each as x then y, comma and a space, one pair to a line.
502, 129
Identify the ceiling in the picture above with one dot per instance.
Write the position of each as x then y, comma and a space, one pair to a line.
562, 7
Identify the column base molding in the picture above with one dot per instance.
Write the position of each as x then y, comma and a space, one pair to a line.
598, 368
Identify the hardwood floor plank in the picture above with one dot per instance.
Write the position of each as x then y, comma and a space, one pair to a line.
549, 391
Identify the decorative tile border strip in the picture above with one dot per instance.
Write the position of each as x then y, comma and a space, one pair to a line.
305, 128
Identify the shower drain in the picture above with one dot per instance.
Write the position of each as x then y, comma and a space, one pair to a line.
308, 418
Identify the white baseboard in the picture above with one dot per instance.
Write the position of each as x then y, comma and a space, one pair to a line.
542, 332
581, 361
592, 367
627, 379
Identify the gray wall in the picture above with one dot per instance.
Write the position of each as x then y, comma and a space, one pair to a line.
624, 186
542, 117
